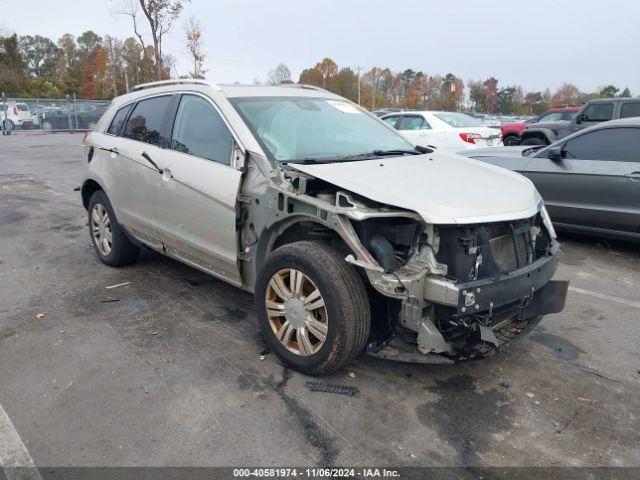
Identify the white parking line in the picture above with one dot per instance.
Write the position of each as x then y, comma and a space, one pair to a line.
604, 296
14, 454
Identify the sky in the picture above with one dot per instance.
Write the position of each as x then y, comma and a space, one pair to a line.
532, 43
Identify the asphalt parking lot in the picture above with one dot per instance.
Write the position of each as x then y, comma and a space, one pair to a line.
168, 367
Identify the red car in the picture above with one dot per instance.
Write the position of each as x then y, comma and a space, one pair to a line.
511, 132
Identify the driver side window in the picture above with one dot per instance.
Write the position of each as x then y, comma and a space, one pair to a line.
199, 130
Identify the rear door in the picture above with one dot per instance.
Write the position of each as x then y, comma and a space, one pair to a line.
597, 182
198, 191
130, 177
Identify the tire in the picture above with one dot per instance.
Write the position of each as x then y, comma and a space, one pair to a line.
345, 311
9, 125
46, 125
511, 141
533, 141
121, 251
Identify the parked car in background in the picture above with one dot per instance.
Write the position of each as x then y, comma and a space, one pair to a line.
592, 113
72, 116
447, 131
348, 236
511, 132
384, 111
18, 115
590, 180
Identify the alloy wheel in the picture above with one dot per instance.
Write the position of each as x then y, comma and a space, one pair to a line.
296, 312
101, 229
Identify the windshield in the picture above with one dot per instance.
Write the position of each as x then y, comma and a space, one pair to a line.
459, 119
298, 129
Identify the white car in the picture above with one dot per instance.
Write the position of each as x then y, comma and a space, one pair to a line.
447, 131
16, 114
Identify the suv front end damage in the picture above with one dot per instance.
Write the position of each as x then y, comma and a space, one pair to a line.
469, 290
440, 293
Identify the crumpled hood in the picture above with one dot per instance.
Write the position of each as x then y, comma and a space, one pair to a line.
442, 188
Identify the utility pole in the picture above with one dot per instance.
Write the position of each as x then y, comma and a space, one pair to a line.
358, 69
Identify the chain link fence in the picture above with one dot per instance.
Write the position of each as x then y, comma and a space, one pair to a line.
49, 115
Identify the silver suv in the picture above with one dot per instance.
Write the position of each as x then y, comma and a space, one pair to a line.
349, 237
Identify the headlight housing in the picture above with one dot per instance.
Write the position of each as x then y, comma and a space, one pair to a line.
546, 219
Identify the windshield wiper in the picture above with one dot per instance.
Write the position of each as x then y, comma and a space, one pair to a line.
354, 156
380, 153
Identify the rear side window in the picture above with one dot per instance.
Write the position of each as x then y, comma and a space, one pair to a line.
412, 123
598, 112
22, 107
391, 120
118, 120
630, 109
146, 120
199, 130
614, 144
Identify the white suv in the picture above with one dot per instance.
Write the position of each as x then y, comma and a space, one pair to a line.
17, 115
349, 237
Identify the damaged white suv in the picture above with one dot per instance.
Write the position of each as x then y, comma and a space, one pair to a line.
349, 237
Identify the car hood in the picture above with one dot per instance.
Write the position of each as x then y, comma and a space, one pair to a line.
442, 188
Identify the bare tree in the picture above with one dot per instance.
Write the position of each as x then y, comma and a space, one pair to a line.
160, 15
193, 33
280, 74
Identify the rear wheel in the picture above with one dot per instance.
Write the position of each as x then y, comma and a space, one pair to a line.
111, 244
313, 308
533, 141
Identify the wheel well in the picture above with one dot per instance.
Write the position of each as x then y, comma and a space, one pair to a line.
88, 189
511, 134
539, 135
309, 230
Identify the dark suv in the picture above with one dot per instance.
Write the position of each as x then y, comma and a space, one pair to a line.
592, 113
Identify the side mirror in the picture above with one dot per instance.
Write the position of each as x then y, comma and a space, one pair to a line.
579, 118
555, 153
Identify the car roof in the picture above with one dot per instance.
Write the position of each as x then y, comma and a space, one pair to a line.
611, 99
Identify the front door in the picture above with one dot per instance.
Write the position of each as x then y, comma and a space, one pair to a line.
596, 183
416, 129
197, 195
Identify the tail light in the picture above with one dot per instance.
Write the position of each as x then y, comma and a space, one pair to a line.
15, 111
470, 137
84, 137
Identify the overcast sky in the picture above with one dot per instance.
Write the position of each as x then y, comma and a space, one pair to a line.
534, 43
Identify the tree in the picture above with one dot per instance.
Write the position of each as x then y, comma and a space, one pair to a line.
40, 55
160, 15
608, 91
193, 33
568, 93
12, 68
88, 41
625, 93
95, 72
280, 74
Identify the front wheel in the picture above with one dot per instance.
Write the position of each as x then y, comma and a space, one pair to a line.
312, 307
9, 125
47, 126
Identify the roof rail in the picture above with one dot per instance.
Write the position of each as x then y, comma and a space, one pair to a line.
181, 81
303, 85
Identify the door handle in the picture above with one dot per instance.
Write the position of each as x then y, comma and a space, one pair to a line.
633, 176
